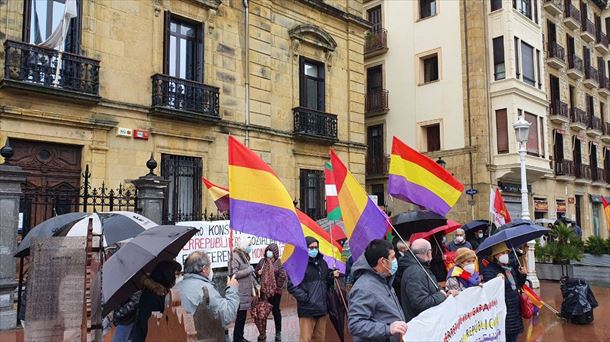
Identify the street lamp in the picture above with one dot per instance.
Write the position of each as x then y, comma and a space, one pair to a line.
441, 162
522, 128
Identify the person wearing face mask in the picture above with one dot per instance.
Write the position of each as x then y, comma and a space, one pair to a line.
374, 310
477, 239
418, 286
514, 279
198, 273
241, 269
311, 295
463, 274
271, 289
459, 241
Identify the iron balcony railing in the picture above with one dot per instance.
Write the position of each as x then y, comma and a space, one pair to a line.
377, 165
376, 101
556, 51
376, 40
601, 38
182, 95
314, 124
559, 108
578, 116
575, 62
606, 128
591, 73
587, 25
597, 174
595, 123
582, 171
570, 11
564, 168
36, 65
602, 80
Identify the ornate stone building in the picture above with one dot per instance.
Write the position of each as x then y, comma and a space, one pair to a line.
175, 78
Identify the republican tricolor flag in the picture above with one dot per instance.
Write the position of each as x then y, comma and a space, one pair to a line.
606, 212
498, 209
219, 195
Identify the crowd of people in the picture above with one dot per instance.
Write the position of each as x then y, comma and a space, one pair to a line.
389, 285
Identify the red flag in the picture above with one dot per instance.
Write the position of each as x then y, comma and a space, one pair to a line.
498, 209
606, 212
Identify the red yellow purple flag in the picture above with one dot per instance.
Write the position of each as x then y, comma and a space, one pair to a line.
219, 195
260, 205
606, 212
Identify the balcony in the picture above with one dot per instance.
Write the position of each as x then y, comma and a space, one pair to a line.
598, 176
556, 55
376, 43
576, 68
313, 125
564, 170
594, 129
553, 7
582, 173
35, 68
591, 77
578, 119
587, 29
604, 86
601, 42
558, 112
606, 135
174, 97
377, 166
571, 16
376, 102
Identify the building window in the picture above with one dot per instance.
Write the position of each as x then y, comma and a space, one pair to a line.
312, 197
558, 147
183, 193
42, 17
378, 190
590, 106
499, 66
495, 5
312, 86
527, 61
533, 147
427, 8
375, 156
433, 137
502, 130
374, 17
538, 68
183, 48
593, 157
430, 68
524, 7
517, 67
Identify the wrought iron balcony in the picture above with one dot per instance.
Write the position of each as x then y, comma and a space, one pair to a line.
601, 42
556, 55
558, 111
578, 119
582, 171
35, 68
591, 77
564, 168
311, 124
597, 175
376, 102
576, 68
607, 176
606, 135
553, 6
376, 42
587, 28
176, 97
604, 85
377, 165
595, 127
571, 16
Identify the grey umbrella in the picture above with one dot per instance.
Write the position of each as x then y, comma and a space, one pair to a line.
141, 254
48, 228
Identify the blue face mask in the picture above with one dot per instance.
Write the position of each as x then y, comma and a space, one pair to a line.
394, 266
249, 249
313, 252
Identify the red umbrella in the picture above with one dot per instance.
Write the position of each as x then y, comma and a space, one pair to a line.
448, 228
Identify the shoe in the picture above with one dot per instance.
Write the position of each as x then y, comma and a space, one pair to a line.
278, 336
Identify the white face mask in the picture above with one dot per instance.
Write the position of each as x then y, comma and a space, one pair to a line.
211, 274
469, 268
503, 259
269, 254
480, 235
459, 239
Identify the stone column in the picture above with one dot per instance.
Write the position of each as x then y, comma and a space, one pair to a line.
151, 193
11, 179
531, 264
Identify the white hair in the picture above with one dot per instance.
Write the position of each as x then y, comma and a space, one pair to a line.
244, 243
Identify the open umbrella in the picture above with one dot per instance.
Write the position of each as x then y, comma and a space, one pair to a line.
141, 254
476, 225
416, 221
47, 228
513, 237
447, 228
115, 226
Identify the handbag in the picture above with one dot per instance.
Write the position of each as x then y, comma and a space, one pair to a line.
527, 307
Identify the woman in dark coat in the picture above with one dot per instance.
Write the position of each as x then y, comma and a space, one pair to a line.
513, 280
165, 274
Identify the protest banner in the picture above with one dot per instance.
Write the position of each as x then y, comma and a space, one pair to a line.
477, 314
213, 237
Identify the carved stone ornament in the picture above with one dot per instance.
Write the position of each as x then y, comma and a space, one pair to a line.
314, 35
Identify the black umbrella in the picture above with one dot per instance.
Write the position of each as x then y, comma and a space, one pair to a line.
476, 225
513, 237
48, 228
141, 254
416, 221
337, 307
515, 223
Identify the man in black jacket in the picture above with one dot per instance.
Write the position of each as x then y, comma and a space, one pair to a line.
311, 295
418, 286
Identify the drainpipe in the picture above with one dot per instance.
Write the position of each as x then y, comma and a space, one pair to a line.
246, 72
468, 99
489, 109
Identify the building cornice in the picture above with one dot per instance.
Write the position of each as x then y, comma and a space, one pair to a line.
337, 13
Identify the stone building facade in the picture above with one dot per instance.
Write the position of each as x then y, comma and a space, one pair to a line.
175, 78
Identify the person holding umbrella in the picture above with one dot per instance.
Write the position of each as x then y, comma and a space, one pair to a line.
244, 273
273, 277
499, 267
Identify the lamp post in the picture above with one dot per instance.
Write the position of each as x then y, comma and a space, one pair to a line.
522, 127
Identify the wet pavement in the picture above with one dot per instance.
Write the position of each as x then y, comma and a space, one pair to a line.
545, 327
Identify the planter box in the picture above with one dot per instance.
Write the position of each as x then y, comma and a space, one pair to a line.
548, 271
592, 268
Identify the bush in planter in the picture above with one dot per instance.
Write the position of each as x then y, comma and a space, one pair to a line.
608, 246
596, 245
563, 245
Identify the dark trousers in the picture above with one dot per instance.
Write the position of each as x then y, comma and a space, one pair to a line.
511, 337
240, 322
277, 315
